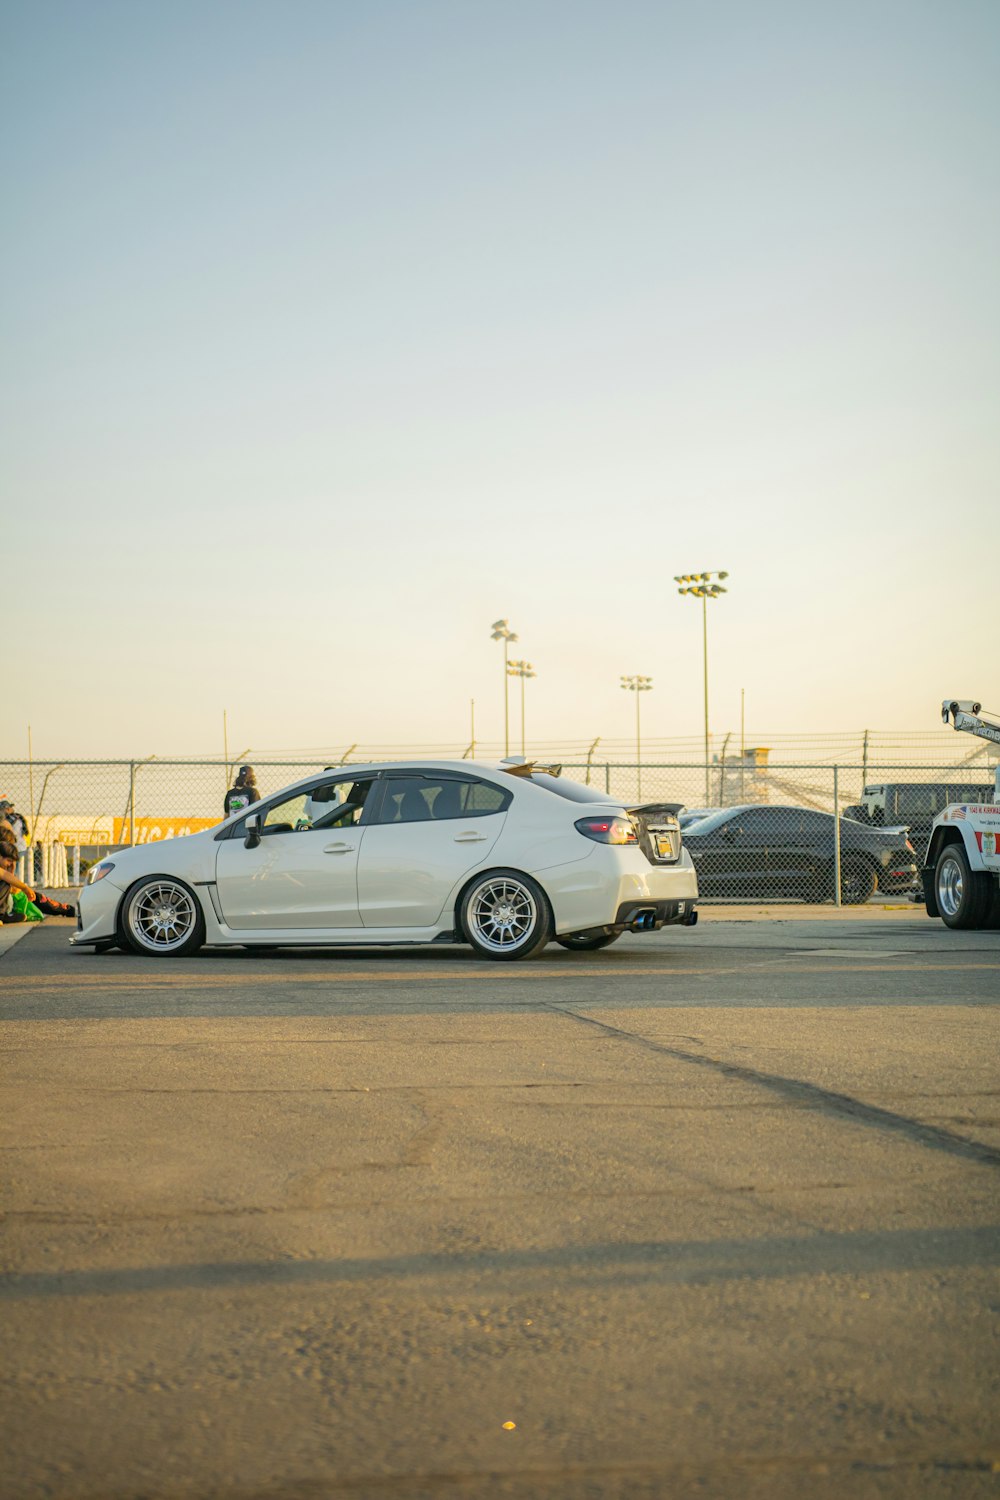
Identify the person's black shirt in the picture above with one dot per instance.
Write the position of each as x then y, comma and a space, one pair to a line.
238, 798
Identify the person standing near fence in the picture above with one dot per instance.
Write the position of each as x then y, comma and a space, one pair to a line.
17, 821
242, 794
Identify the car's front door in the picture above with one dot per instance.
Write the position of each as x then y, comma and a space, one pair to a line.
787, 849
732, 857
429, 830
304, 871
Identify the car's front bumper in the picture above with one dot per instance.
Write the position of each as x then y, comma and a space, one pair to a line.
96, 913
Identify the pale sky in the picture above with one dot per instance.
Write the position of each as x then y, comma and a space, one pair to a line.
332, 332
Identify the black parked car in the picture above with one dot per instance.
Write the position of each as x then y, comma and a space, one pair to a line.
789, 852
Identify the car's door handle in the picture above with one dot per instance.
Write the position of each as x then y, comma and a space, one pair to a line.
338, 849
470, 838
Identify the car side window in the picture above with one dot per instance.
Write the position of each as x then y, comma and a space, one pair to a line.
347, 808
287, 816
754, 824
335, 804
432, 799
479, 799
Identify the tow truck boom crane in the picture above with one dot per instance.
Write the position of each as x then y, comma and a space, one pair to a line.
966, 716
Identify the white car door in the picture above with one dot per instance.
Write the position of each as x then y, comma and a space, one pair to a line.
430, 829
303, 873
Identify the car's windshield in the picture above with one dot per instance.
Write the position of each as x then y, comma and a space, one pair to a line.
713, 820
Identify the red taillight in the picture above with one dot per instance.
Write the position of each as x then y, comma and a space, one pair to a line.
607, 830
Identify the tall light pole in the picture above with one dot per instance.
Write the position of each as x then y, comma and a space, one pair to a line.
501, 631
702, 587
638, 685
522, 669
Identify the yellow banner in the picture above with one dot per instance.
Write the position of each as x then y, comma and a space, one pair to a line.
151, 830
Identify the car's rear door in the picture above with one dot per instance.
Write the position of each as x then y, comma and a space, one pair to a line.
429, 830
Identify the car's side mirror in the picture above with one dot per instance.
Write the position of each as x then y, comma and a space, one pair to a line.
252, 830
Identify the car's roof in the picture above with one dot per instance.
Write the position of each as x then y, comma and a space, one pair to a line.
469, 767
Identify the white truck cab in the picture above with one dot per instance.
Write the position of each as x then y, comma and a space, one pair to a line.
961, 873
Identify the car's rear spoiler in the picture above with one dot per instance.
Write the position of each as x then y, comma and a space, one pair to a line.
649, 808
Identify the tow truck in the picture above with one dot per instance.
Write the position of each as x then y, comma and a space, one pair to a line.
961, 873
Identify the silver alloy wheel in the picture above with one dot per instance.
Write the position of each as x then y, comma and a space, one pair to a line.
161, 916
502, 914
950, 885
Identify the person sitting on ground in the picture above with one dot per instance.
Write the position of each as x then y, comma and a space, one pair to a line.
10, 881
242, 794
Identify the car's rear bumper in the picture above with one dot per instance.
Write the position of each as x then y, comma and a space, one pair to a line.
647, 916
598, 893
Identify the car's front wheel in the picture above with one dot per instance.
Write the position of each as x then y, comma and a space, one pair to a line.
580, 942
505, 915
964, 896
161, 917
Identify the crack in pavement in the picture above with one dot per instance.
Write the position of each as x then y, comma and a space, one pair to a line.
810, 1095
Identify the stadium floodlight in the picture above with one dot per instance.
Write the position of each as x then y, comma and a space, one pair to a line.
637, 685
500, 631
702, 586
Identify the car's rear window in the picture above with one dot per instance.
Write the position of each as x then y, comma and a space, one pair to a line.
573, 791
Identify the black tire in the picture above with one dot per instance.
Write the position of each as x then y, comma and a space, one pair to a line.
505, 916
579, 942
140, 918
964, 897
857, 882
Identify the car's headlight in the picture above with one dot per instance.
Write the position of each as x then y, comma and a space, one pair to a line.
98, 872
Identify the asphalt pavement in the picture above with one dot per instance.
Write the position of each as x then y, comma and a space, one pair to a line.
708, 1213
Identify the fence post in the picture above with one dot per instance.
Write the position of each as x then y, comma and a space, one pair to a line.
76, 864
607, 777
131, 801
836, 837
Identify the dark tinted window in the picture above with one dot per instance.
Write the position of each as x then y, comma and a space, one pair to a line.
921, 801
817, 824
429, 799
573, 791
964, 792
755, 822
713, 821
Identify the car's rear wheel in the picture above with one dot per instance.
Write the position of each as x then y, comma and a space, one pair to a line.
505, 916
964, 896
580, 942
162, 918
857, 882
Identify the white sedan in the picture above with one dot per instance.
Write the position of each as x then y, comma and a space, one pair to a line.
502, 857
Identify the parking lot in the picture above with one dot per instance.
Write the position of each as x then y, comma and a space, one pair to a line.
711, 1213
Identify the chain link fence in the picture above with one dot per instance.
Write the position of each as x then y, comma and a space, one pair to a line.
757, 831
